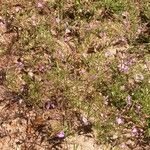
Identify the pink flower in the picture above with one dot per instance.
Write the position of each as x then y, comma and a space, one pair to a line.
125, 65
60, 135
134, 131
18, 8
119, 120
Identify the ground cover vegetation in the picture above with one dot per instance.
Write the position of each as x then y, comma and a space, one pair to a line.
75, 67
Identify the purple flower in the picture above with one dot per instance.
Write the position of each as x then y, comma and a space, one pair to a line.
60, 135
123, 67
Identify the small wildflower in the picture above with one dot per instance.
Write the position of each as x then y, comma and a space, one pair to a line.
17, 8
119, 120
30, 73
85, 121
39, 5
125, 65
20, 65
60, 135
123, 68
130, 61
134, 131
20, 101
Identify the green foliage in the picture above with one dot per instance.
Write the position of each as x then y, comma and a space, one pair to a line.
114, 5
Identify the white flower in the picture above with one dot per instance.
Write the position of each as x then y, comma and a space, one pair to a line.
18, 8
39, 5
85, 121
30, 73
67, 31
